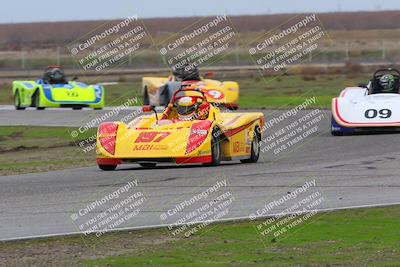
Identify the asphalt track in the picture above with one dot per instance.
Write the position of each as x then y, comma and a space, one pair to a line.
348, 171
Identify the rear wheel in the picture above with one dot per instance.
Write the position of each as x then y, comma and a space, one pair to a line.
165, 97
255, 148
148, 165
17, 101
233, 107
215, 149
146, 99
36, 100
107, 167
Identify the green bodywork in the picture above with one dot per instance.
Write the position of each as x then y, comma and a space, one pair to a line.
41, 95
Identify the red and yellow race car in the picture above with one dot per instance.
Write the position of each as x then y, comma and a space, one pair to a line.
190, 130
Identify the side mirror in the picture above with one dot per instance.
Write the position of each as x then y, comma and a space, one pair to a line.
147, 109
209, 74
363, 85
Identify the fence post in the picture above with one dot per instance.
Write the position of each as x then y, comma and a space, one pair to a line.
23, 59
237, 54
347, 50
58, 56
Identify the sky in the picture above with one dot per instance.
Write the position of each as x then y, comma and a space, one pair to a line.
15, 11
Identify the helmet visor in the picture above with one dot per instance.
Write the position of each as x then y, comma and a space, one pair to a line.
186, 110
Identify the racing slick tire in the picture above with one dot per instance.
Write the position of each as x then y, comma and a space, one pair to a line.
336, 133
215, 149
107, 167
167, 91
36, 100
148, 165
17, 101
146, 99
255, 148
165, 97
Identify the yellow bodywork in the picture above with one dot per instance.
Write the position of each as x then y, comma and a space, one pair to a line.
144, 138
223, 93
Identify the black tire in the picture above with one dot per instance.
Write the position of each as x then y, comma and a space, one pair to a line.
255, 148
165, 97
148, 165
336, 133
36, 100
215, 149
146, 99
17, 101
233, 107
107, 167
77, 108
98, 108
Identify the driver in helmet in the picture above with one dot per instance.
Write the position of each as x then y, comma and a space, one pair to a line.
54, 75
187, 108
388, 84
187, 72
192, 108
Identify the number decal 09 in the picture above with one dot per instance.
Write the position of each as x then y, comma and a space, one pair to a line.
382, 113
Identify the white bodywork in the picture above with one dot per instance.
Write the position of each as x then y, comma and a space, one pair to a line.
356, 108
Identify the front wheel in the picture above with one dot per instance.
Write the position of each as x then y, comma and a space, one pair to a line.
146, 99
107, 167
17, 102
165, 97
215, 149
36, 101
255, 148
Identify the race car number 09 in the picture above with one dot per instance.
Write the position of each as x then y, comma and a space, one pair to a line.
373, 113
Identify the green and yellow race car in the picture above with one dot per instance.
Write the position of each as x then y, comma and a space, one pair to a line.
53, 90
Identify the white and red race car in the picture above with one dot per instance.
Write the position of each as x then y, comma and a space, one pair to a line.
374, 107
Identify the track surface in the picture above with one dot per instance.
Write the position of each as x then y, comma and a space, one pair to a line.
59, 117
349, 171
